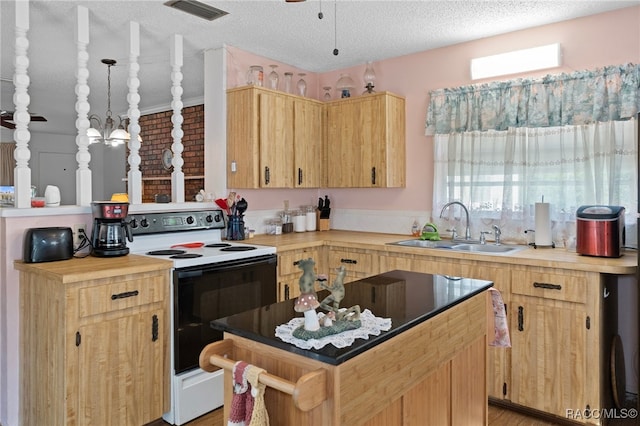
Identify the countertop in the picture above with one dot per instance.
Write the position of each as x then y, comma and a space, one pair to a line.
414, 298
544, 257
91, 267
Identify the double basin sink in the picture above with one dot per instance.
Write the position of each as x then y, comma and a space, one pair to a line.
464, 246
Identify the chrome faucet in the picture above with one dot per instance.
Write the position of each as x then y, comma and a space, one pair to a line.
467, 232
497, 233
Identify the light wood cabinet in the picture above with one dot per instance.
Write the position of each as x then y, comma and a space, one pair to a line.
359, 263
555, 332
498, 359
94, 341
366, 141
274, 139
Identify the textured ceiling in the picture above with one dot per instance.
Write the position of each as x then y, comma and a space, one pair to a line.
287, 32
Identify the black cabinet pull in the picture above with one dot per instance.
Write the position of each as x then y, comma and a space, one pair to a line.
350, 261
520, 318
125, 295
78, 338
286, 292
154, 328
547, 286
267, 175
373, 175
299, 176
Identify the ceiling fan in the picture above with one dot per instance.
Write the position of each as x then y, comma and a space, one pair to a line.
6, 119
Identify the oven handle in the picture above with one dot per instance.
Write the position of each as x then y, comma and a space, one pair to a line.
194, 271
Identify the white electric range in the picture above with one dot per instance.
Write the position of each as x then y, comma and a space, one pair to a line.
211, 278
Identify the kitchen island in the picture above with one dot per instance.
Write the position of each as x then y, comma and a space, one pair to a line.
428, 368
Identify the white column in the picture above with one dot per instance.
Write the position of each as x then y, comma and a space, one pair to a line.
133, 82
177, 176
21, 117
83, 157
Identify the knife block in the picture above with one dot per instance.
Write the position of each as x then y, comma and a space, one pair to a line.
323, 224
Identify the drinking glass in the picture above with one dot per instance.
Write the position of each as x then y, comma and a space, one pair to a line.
302, 85
287, 82
273, 78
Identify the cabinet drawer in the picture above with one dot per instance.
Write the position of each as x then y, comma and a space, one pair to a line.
288, 261
570, 288
353, 261
100, 299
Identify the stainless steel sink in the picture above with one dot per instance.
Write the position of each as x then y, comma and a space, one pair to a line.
426, 244
486, 248
460, 246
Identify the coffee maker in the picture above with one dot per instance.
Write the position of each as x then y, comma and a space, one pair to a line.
110, 229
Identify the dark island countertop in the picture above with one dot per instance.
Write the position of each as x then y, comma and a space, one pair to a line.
408, 298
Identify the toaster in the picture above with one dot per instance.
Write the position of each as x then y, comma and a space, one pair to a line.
600, 231
47, 244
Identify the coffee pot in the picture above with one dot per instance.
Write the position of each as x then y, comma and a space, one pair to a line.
110, 229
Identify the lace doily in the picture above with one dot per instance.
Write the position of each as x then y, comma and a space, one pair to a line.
371, 325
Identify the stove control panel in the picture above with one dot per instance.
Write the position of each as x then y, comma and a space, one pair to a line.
155, 223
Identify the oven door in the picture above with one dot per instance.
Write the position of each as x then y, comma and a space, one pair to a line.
207, 292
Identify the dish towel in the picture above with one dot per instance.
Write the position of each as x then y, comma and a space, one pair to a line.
259, 417
241, 401
500, 327
247, 402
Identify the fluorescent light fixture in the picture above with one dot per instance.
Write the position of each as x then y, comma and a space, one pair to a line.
536, 58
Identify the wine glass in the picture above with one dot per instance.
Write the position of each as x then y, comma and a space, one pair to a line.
302, 85
273, 78
327, 93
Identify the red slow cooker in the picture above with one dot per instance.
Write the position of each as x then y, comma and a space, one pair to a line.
600, 231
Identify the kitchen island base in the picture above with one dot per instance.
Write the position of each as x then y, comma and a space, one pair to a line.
433, 373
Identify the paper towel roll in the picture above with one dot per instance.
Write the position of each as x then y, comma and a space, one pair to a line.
543, 225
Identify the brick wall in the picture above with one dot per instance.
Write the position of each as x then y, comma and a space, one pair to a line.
155, 130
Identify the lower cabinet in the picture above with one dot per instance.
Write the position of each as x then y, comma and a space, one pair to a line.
95, 350
359, 263
555, 332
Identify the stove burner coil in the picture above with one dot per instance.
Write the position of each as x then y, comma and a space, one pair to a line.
217, 245
165, 252
238, 248
185, 256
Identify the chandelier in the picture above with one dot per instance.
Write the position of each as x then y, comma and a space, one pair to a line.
107, 132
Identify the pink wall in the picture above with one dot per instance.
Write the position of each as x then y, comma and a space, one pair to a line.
587, 43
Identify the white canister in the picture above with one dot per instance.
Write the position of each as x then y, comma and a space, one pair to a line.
310, 218
299, 221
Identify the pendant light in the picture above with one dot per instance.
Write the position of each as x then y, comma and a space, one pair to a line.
107, 132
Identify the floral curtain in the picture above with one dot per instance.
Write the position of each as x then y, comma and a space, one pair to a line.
605, 94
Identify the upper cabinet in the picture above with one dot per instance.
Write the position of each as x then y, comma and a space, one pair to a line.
366, 142
274, 139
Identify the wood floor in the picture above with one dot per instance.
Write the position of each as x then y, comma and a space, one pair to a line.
497, 417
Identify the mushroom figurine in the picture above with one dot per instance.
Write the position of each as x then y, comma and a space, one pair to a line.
307, 303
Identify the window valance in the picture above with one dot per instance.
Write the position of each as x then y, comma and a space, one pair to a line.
604, 94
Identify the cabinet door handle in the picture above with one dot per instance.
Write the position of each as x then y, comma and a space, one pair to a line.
520, 318
299, 176
154, 328
267, 175
547, 286
124, 295
350, 261
286, 292
373, 176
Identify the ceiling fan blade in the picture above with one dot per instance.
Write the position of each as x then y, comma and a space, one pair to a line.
7, 124
38, 118
8, 116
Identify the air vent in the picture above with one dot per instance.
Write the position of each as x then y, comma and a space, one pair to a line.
197, 8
